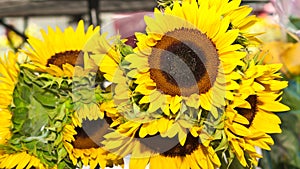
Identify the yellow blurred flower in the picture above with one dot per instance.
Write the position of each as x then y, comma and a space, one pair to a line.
285, 53
270, 30
290, 58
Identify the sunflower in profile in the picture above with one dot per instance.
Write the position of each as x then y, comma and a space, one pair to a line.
58, 52
82, 140
186, 60
160, 151
250, 117
9, 72
110, 64
9, 69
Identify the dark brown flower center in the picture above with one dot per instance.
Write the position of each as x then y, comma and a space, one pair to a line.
184, 62
190, 145
72, 57
90, 134
170, 147
249, 113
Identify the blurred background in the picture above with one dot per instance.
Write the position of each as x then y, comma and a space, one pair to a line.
278, 21
22, 18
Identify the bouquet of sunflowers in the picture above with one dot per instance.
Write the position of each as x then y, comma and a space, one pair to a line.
190, 95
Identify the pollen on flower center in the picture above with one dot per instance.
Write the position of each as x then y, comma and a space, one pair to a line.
184, 62
73, 57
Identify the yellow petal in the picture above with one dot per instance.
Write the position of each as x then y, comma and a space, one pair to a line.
138, 163
273, 106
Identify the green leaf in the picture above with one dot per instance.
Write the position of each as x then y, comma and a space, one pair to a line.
37, 115
223, 145
60, 113
50, 81
291, 95
25, 94
20, 115
18, 101
58, 139
52, 113
126, 50
295, 21
48, 158
31, 145
45, 97
15, 140
58, 125
51, 137
28, 76
62, 153
61, 165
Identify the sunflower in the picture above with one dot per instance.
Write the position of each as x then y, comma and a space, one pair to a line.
249, 115
159, 151
186, 60
82, 141
59, 51
9, 72
111, 65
